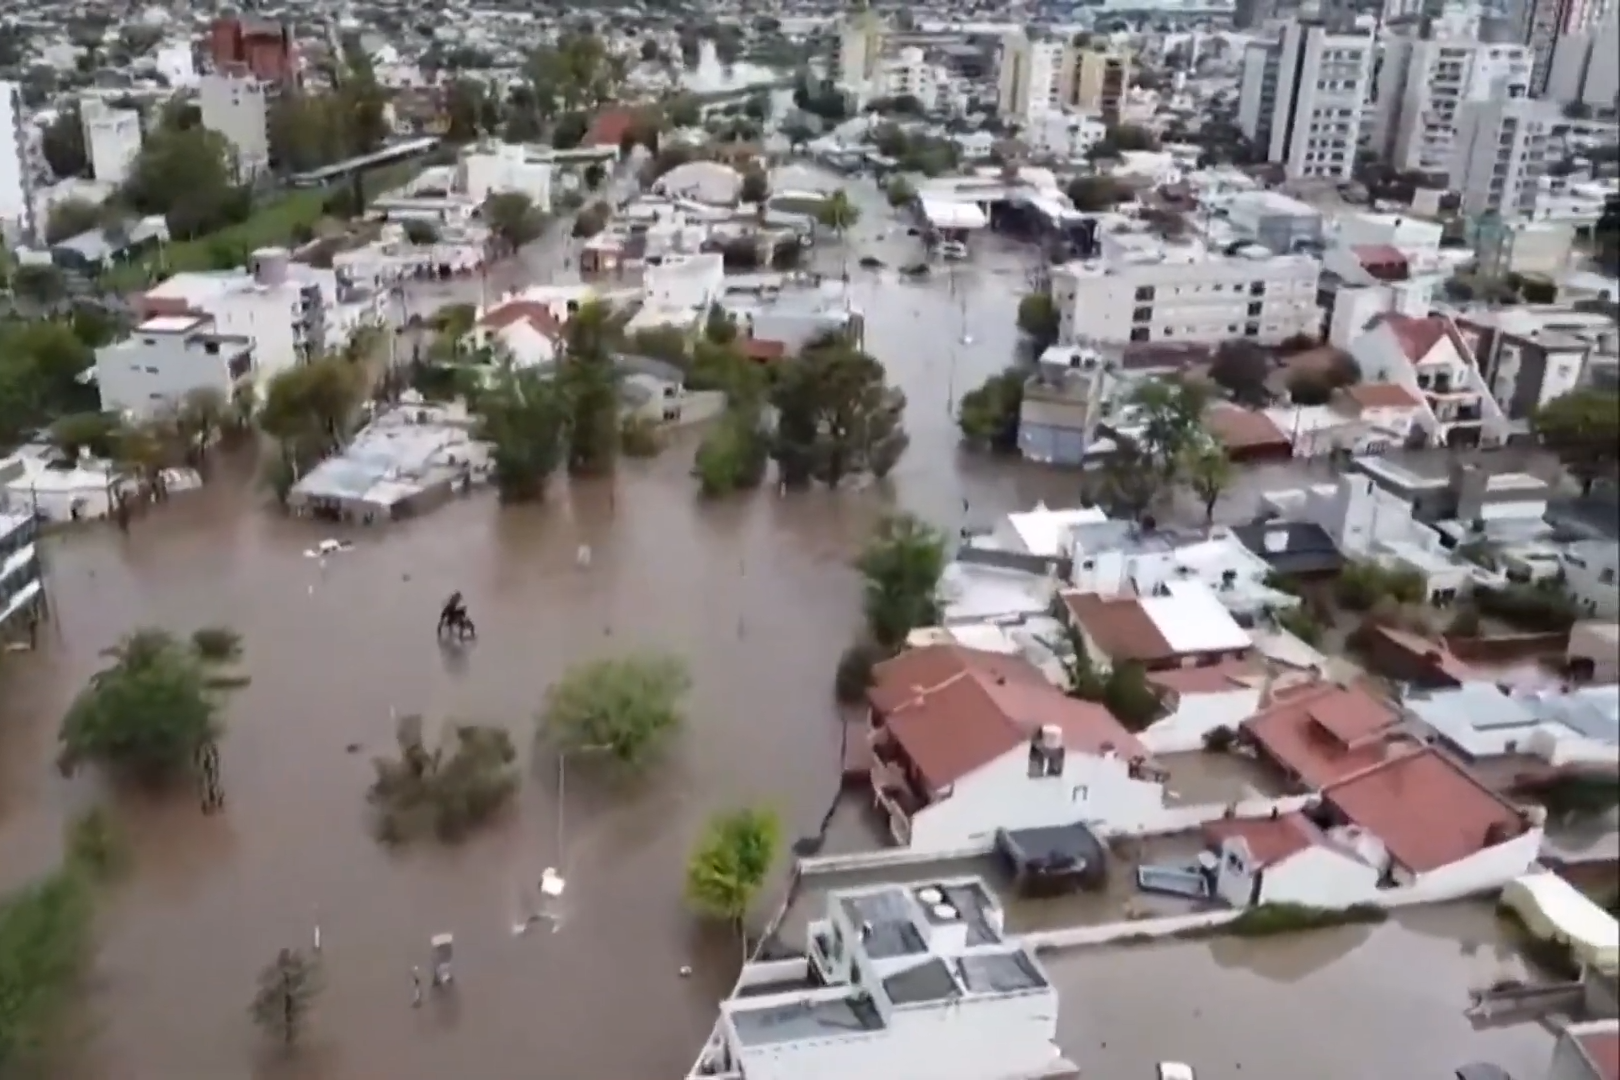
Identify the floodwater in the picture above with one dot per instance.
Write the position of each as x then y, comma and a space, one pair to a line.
757, 596
1350, 1003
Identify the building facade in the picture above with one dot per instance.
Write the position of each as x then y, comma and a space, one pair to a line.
17, 216
1303, 97
1101, 79
167, 357
112, 140
1035, 76
1502, 149
1188, 295
264, 48
232, 102
22, 585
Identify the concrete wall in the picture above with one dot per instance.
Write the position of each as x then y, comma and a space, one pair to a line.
1197, 715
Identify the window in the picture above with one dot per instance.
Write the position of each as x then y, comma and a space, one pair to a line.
1080, 793
1139, 333
1142, 314
1254, 311
1251, 329
1145, 292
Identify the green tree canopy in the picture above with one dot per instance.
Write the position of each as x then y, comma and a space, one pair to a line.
1038, 318
311, 403
730, 862
522, 414
45, 941
836, 416
513, 218
1207, 472
186, 175
901, 565
625, 707
146, 714
988, 414
1583, 429
590, 385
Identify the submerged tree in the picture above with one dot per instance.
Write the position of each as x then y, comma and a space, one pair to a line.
522, 415
730, 862
988, 414
445, 791
835, 416
901, 563
626, 707
590, 386
1207, 471
286, 993
148, 713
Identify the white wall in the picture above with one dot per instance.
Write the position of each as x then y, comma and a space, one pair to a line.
1318, 876
1005, 1036
16, 189
1196, 715
1002, 795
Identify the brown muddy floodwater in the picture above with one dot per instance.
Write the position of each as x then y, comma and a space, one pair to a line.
1352, 1003
758, 597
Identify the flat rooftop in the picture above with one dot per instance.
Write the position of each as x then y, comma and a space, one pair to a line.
171, 324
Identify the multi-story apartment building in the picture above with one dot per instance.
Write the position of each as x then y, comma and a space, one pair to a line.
263, 47
1501, 150
1530, 355
232, 102
1303, 98
112, 140
1578, 199
1143, 290
1540, 23
1101, 78
17, 214
860, 50
909, 73
167, 357
1585, 66
283, 317
1036, 76
1422, 82
22, 586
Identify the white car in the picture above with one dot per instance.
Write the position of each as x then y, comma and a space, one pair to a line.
953, 249
1174, 1070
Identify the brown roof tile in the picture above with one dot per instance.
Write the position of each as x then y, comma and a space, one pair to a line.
1242, 429
1211, 679
953, 710
1418, 337
1119, 625
1381, 396
763, 349
1427, 809
609, 127
1270, 840
1305, 729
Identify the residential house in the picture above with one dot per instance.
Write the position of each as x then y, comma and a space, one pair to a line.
1587, 1051
1119, 558
1198, 700
1392, 415
1321, 732
1248, 435
22, 585
167, 357
1431, 360
1590, 569
916, 981
1479, 722
1299, 551
967, 742
1415, 826
1062, 404
528, 332
270, 303
1179, 624
1532, 355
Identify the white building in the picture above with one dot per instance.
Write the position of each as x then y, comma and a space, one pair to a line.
17, 214
1144, 289
233, 104
167, 357
112, 140
1586, 66
918, 981
284, 318
1423, 83
1591, 573
908, 73
1478, 721
1066, 136
1430, 359
22, 586
860, 50
1574, 199
1303, 97
967, 742
1502, 148
1033, 76
505, 168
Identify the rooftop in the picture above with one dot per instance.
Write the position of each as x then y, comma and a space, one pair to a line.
1179, 618
1477, 716
1323, 731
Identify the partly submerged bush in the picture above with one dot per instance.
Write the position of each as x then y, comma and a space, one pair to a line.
446, 791
1264, 920
854, 672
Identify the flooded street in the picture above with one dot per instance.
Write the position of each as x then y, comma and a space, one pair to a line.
1351, 1003
757, 596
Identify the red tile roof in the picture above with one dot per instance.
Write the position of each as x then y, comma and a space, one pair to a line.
953, 710
763, 349
1213, 679
1120, 626
1382, 396
1440, 658
1418, 337
1427, 809
1242, 429
609, 127
1378, 254
1311, 729
1603, 1047
535, 314
1270, 840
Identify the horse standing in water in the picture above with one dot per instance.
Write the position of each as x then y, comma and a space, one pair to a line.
454, 622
